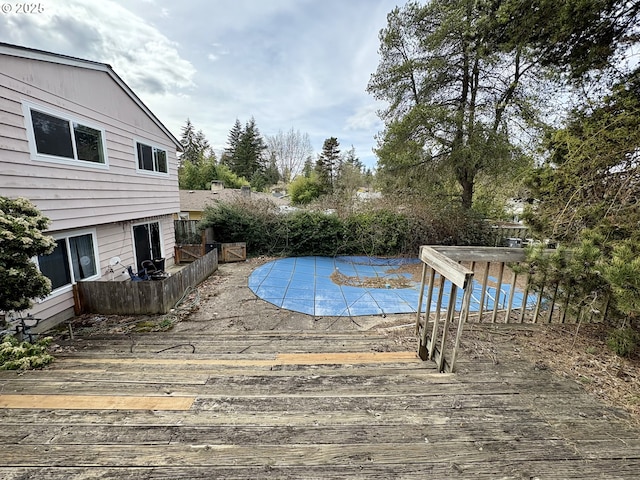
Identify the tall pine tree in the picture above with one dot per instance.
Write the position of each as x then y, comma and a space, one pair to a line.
233, 139
328, 163
245, 153
195, 146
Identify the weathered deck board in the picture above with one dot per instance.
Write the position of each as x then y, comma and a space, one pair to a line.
567, 469
216, 455
301, 405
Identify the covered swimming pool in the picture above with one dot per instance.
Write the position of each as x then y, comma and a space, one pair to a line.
358, 285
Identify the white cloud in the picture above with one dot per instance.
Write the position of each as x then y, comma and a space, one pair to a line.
365, 118
289, 63
106, 32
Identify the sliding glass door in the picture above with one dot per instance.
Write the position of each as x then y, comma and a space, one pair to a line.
146, 239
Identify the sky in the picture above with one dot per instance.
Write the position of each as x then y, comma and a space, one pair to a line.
301, 64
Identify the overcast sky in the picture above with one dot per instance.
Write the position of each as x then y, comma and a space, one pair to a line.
301, 64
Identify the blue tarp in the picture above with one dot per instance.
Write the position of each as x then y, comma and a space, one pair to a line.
324, 286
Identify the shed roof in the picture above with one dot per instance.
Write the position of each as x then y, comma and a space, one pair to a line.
197, 200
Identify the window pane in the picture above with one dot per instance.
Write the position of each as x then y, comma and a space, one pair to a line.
161, 157
82, 257
145, 157
55, 266
53, 135
88, 143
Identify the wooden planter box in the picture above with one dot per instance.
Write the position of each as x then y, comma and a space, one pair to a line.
145, 297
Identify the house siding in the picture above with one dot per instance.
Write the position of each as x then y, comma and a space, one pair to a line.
76, 196
73, 196
114, 240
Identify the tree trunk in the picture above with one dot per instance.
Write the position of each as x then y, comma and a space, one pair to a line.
467, 193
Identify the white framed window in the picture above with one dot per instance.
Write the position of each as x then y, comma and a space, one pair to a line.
59, 137
74, 258
151, 158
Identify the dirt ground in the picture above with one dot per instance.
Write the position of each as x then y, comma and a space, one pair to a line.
224, 303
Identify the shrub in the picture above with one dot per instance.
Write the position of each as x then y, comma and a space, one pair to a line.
22, 238
623, 341
376, 232
304, 190
382, 228
15, 355
313, 233
244, 220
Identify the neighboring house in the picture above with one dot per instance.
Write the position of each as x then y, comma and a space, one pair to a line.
78, 143
193, 202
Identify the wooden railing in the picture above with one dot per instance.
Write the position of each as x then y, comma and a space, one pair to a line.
433, 345
497, 286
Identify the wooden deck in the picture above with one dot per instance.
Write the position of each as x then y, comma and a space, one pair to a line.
299, 405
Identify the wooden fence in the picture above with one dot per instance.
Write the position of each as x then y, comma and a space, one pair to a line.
188, 253
144, 297
497, 287
187, 232
509, 235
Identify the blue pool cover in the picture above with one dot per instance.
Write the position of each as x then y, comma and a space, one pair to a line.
354, 286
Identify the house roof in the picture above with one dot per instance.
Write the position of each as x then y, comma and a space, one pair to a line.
197, 200
43, 56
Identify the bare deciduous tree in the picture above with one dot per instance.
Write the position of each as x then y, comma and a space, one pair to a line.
290, 150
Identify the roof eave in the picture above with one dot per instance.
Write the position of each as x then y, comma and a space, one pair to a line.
43, 56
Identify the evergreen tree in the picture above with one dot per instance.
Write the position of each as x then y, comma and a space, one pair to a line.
245, 153
350, 158
328, 164
272, 173
307, 169
195, 146
350, 174
591, 180
198, 166
233, 140
452, 86
578, 36
586, 196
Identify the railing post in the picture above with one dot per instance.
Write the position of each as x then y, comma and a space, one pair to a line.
420, 298
423, 349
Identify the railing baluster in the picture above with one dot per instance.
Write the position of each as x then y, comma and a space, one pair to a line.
553, 302
464, 313
485, 278
451, 311
498, 292
423, 351
512, 294
436, 320
539, 301
420, 298
525, 297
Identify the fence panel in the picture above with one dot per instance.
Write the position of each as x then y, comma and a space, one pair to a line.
187, 232
145, 297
